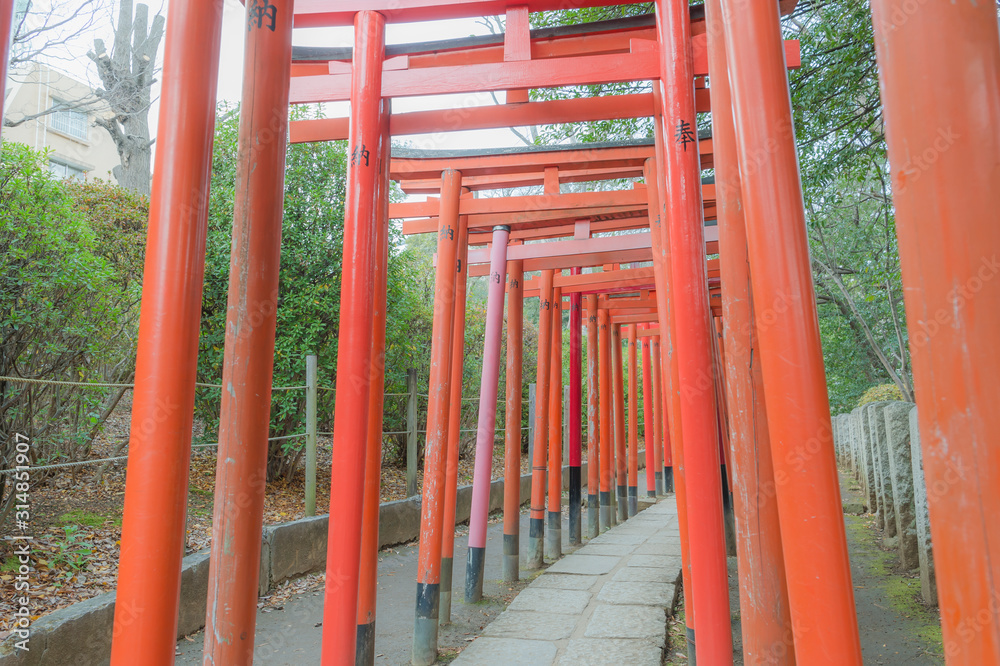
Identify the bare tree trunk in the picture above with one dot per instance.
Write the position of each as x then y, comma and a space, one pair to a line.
127, 75
869, 336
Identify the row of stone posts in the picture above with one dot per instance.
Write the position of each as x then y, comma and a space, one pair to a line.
880, 443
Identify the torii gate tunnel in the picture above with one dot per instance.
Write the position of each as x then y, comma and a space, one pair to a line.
716, 289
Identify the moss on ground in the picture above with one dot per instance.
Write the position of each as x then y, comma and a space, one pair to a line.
902, 590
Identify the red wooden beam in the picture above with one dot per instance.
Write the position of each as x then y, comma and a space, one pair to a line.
631, 278
533, 161
580, 253
554, 72
324, 13
586, 109
509, 181
543, 202
630, 217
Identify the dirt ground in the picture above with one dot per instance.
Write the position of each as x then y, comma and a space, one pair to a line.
76, 519
896, 628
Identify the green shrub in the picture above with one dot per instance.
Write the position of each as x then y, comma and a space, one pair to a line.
880, 393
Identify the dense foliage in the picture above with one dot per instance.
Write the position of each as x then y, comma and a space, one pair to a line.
70, 261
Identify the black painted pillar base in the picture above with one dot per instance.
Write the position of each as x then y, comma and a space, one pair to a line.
444, 605
425, 630
728, 515
605, 516
536, 547
633, 501
692, 656
474, 573
553, 536
593, 509
658, 488
365, 653
622, 504
575, 538
511, 557
668, 479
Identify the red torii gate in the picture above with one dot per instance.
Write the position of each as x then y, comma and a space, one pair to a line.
945, 209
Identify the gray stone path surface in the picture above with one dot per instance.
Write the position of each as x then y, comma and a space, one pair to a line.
605, 603
292, 635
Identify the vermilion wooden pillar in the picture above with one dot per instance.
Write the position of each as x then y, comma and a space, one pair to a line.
669, 366
536, 525
654, 478
149, 571
604, 419
575, 413
354, 345
438, 408
593, 421
251, 316
553, 533
618, 401
512, 439
766, 624
808, 492
665, 452
486, 429
659, 425
633, 421
682, 174
939, 70
368, 580
457, 364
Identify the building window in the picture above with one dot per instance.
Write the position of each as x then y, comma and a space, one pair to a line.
69, 122
63, 171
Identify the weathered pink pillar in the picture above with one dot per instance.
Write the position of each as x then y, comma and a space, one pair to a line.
487, 417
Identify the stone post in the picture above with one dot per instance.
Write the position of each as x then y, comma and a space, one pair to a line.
868, 462
880, 449
925, 556
897, 428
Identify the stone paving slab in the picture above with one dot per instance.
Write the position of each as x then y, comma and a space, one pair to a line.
615, 549
645, 575
606, 603
671, 549
634, 592
613, 621
508, 652
549, 600
614, 537
653, 561
604, 651
579, 563
565, 581
531, 625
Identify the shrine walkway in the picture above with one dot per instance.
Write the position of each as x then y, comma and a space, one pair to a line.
632, 568
606, 603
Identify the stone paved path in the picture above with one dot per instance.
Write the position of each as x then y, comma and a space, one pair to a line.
606, 603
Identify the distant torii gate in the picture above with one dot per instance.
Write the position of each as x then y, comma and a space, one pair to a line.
945, 215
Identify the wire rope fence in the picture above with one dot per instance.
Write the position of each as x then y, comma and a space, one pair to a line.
415, 404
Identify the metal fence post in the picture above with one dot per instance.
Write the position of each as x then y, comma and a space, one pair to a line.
531, 421
566, 425
311, 384
411, 433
